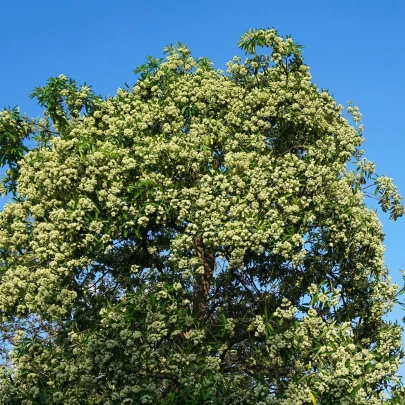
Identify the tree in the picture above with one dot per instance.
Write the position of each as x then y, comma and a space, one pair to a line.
200, 238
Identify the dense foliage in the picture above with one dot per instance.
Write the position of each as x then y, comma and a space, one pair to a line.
200, 238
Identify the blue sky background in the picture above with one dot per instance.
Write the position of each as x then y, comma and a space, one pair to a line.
354, 48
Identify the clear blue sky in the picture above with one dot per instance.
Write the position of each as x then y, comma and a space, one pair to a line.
354, 48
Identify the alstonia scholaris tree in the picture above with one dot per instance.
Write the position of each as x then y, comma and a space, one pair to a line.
197, 239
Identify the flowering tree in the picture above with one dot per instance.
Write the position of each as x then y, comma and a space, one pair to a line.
197, 239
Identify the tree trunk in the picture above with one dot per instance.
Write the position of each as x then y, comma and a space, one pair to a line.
202, 281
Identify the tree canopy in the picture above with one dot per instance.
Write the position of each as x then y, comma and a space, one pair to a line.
199, 238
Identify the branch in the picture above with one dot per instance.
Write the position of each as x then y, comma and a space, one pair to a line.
202, 281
